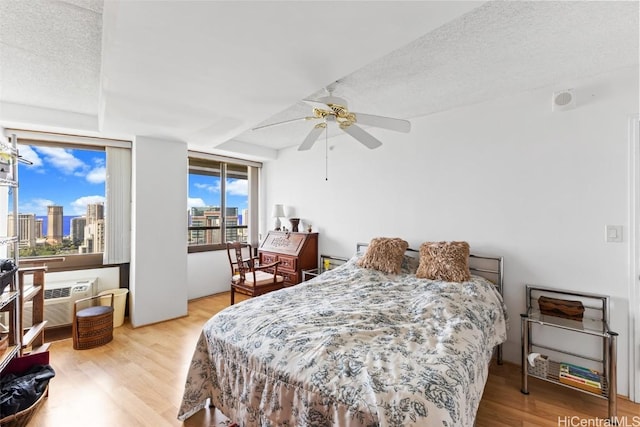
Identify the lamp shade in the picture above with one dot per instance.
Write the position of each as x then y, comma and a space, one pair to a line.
278, 211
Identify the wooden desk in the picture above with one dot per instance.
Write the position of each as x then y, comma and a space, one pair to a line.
295, 251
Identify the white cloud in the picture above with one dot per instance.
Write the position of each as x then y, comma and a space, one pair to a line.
27, 153
97, 175
79, 206
208, 187
195, 202
62, 159
238, 187
35, 206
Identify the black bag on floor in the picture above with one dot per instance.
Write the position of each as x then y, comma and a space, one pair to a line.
20, 391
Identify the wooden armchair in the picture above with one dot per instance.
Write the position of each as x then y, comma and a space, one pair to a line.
249, 278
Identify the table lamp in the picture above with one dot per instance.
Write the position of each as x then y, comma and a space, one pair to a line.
278, 211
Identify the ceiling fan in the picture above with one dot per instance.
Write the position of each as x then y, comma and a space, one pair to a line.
334, 109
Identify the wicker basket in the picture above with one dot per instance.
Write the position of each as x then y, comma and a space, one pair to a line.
92, 327
22, 418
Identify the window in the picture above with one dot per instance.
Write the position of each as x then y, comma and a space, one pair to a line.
74, 199
61, 204
218, 204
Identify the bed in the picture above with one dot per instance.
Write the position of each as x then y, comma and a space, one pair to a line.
353, 347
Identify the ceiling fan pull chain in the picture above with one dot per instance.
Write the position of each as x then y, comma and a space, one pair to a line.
326, 153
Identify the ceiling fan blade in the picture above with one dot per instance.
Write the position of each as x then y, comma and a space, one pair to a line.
284, 122
365, 138
312, 137
323, 103
317, 104
398, 125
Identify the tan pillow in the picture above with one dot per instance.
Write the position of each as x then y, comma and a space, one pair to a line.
448, 261
384, 254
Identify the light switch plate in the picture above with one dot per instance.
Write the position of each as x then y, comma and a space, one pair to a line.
613, 233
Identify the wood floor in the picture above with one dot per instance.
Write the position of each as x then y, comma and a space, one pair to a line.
138, 378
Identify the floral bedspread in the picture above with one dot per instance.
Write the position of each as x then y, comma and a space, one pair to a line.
352, 347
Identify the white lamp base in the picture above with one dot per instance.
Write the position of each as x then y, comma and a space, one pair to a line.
278, 224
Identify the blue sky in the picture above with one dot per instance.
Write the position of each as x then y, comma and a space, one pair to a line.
74, 178
205, 191
60, 176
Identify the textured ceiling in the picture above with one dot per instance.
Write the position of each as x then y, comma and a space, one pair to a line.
497, 50
207, 72
50, 54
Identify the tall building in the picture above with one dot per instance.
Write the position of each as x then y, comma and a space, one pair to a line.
26, 229
99, 236
39, 228
95, 211
87, 247
77, 229
94, 229
209, 216
244, 219
54, 224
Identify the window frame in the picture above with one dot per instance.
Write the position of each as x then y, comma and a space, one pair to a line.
223, 163
71, 262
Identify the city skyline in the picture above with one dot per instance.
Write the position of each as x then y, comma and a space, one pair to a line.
85, 234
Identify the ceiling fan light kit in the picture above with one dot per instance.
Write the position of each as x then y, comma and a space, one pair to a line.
333, 108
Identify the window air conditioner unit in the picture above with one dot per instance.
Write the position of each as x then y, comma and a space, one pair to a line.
59, 298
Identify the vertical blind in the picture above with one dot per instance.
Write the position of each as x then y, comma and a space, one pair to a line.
254, 182
117, 248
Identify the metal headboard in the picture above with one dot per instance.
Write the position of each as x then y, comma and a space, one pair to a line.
489, 267
410, 252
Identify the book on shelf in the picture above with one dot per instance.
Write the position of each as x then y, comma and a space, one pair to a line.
584, 379
595, 384
581, 385
579, 371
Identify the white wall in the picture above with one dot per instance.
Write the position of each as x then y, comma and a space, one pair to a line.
158, 287
208, 273
508, 176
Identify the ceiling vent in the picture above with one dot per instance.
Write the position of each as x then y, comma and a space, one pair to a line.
563, 100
